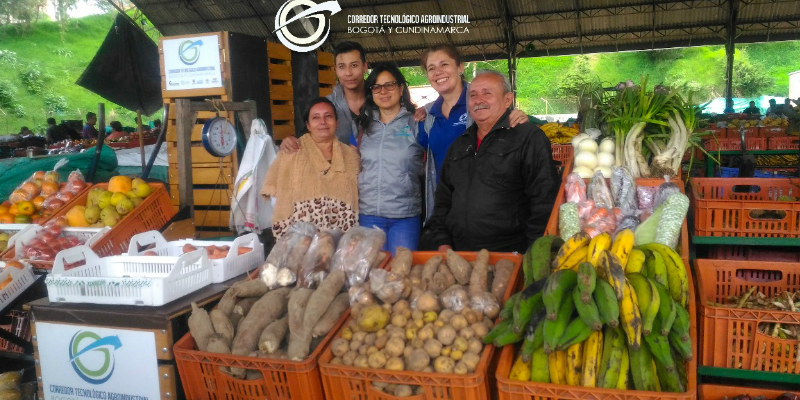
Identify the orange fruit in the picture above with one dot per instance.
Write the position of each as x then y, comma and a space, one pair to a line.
6, 218
51, 176
18, 195
4, 208
22, 219
14, 210
38, 175
38, 202
31, 189
49, 188
26, 208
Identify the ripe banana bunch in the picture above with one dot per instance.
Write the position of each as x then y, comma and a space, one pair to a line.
614, 317
557, 133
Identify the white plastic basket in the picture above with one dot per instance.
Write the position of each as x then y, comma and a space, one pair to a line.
21, 280
87, 235
222, 269
13, 230
129, 280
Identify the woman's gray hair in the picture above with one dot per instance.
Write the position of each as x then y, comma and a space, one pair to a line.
506, 83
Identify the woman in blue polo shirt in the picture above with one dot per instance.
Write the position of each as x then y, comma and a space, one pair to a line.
447, 116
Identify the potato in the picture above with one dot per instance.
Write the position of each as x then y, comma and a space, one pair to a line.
370, 339
446, 350
456, 354
390, 388
359, 336
394, 347
428, 369
445, 315
371, 349
399, 333
458, 322
427, 302
361, 362
446, 335
419, 323
377, 360
417, 314
475, 346
399, 320
336, 360
339, 347
425, 333
349, 357
467, 333
470, 315
420, 391
471, 360
403, 391
480, 329
433, 347
407, 351
362, 350
381, 332
411, 333
461, 369
418, 360
461, 344
400, 306
355, 345
380, 342
395, 364
407, 313
489, 323
347, 333
380, 385
444, 365
417, 343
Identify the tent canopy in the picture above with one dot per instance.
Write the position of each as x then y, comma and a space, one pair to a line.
125, 69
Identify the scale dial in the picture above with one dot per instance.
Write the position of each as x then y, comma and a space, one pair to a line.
219, 137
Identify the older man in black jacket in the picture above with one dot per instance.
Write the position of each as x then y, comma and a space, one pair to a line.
498, 183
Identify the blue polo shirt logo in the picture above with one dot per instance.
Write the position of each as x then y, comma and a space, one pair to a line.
403, 132
462, 120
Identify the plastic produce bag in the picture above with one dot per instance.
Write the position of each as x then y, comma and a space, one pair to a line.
601, 221
485, 303
626, 222
454, 298
360, 294
664, 191
575, 188
599, 192
623, 191
569, 221
586, 209
386, 286
357, 251
287, 254
646, 196
316, 263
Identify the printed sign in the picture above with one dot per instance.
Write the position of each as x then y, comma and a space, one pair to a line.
92, 363
192, 63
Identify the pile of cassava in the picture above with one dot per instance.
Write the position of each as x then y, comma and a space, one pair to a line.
288, 318
427, 318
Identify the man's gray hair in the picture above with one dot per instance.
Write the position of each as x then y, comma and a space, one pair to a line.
506, 83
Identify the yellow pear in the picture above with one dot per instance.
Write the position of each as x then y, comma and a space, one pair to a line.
104, 200
110, 216
92, 214
136, 201
93, 197
124, 206
137, 181
117, 197
142, 190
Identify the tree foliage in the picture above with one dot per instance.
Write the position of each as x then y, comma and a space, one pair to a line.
23, 12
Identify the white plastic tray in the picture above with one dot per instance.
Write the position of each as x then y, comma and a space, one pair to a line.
222, 269
14, 230
88, 235
22, 279
129, 280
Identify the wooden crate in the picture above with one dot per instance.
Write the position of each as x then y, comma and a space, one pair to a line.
211, 218
204, 197
207, 176
327, 72
280, 88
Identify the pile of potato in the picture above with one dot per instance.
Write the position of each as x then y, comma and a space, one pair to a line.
425, 318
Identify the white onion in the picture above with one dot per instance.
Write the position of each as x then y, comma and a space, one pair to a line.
588, 145
583, 172
586, 159
605, 159
579, 138
605, 170
607, 146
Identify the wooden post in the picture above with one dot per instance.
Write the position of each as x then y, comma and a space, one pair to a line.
246, 118
184, 118
141, 136
101, 117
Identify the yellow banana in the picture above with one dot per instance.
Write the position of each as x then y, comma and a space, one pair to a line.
610, 269
622, 381
622, 246
575, 259
574, 364
630, 316
558, 367
597, 245
676, 272
577, 241
520, 371
635, 262
592, 352
655, 373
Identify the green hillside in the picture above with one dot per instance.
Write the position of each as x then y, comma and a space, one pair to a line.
38, 71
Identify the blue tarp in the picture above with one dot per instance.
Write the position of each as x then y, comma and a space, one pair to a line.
717, 106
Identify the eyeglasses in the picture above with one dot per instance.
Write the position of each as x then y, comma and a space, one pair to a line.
390, 87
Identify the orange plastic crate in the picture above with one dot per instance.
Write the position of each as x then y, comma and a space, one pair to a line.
563, 153
784, 143
281, 379
520, 390
771, 131
347, 383
154, 212
733, 144
719, 133
730, 335
750, 132
719, 211
719, 392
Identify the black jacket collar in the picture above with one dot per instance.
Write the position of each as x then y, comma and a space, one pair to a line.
502, 123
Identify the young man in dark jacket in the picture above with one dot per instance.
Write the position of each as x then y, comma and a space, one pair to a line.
498, 183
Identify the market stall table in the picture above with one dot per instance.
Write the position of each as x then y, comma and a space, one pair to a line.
125, 339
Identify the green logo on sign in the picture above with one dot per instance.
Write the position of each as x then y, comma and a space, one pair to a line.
92, 357
189, 51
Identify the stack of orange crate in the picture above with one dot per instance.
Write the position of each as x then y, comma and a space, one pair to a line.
327, 72
281, 94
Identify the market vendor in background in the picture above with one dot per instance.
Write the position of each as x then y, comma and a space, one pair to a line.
773, 108
348, 95
446, 118
752, 109
89, 131
57, 133
116, 131
389, 185
498, 183
318, 183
